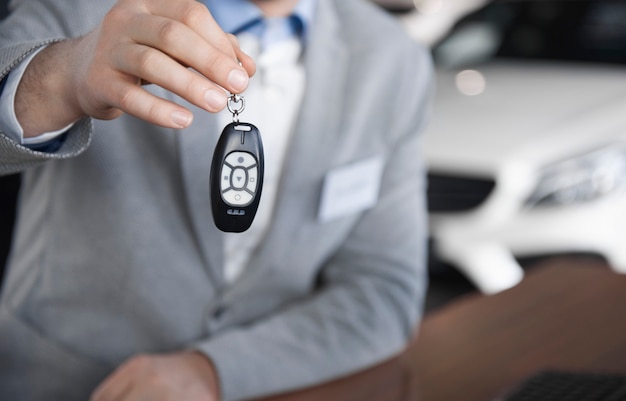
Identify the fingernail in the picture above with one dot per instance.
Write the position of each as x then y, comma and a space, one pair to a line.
238, 80
181, 119
215, 100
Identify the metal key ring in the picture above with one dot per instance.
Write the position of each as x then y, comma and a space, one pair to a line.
234, 100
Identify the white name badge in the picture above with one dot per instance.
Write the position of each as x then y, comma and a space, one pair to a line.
351, 189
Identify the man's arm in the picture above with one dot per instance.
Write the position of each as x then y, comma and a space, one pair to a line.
176, 45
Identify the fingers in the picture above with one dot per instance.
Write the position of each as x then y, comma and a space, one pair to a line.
157, 68
173, 44
246, 61
195, 16
214, 60
138, 102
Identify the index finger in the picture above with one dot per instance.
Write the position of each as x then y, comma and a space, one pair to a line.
197, 16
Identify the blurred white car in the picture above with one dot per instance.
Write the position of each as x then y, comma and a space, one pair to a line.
527, 147
427, 21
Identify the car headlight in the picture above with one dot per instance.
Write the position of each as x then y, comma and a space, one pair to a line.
581, 179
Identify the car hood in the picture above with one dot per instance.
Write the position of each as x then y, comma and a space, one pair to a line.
534, 111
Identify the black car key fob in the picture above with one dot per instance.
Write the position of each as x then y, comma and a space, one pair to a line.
237, 177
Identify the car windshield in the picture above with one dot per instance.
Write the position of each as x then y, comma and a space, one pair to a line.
592, 31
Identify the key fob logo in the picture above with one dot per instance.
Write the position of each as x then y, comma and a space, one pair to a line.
236, 212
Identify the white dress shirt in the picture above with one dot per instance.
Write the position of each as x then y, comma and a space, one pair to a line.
272, 99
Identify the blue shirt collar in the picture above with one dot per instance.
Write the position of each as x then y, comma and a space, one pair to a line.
235, 16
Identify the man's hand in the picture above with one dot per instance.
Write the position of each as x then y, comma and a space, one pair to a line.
174, 44
187, 376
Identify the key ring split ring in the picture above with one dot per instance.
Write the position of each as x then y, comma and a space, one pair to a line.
236, 105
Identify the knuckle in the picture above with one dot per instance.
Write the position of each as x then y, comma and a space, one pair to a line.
210, 68
154, 112
233, 39
145, 59
218, 65
126, 100
139, 363
115, 15
194, 13
227, 47
213, 60
189, 84
169, 32
110, 26
145, 366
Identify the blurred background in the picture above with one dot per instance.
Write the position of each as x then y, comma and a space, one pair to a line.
526, 148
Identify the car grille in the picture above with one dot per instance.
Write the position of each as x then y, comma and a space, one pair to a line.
448, 193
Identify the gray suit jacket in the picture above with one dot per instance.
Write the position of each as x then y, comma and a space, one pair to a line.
116, 252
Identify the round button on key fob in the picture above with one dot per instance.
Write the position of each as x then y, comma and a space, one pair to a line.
237, 177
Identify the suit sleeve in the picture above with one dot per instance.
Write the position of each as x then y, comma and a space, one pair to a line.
373, 287
30, 25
